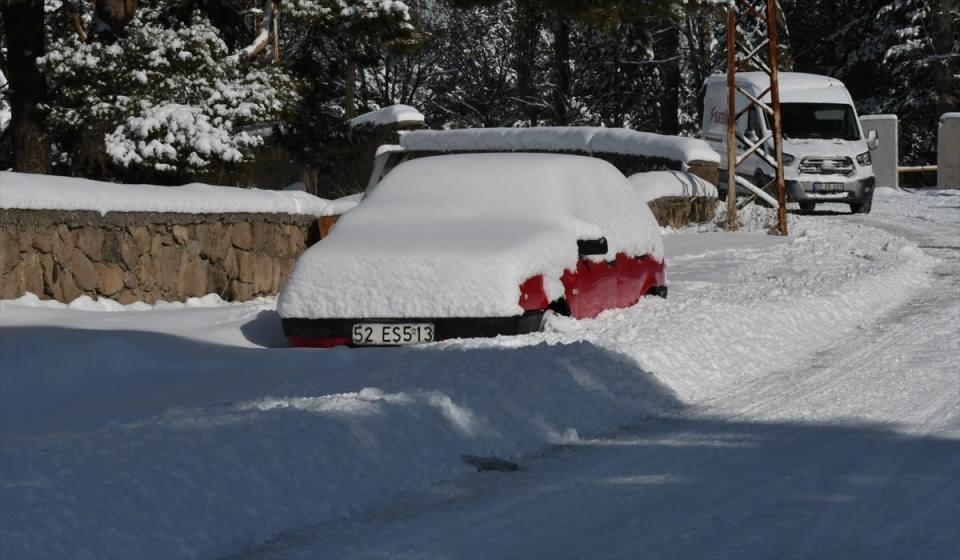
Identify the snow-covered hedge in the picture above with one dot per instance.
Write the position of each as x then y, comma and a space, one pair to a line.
658, 184
589, 140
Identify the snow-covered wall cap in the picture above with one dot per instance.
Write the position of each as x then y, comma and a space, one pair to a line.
878, 118
583, 139
659, 184
48, 192
393, 114
949, 116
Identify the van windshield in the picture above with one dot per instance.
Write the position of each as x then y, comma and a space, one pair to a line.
819, 120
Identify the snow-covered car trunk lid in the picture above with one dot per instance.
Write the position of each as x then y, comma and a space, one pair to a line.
456, 235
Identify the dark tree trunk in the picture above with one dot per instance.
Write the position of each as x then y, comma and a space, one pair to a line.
561, 70
948, 96
23, 22
667, 49
526, 36
350, 92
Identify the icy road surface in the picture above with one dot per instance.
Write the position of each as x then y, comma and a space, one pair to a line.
793, 398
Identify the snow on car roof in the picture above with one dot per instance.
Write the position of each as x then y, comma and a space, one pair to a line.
456, 235
584, 139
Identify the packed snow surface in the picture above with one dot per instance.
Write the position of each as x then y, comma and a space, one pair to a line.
48, 192
456, 236
804, 390
585, 139
657, 184
389, 115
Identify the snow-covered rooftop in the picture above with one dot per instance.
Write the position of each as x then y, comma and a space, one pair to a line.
581, 139
49, 192
389, 115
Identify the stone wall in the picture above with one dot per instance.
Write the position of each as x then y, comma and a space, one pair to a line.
148, 256
680, 211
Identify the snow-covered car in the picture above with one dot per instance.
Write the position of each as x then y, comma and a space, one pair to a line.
475, 245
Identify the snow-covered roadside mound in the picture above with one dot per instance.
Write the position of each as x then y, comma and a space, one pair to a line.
169, 433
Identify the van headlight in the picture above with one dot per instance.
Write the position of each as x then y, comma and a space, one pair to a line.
864, 159
788, 159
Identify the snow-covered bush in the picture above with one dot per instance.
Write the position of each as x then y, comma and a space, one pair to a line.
170, 97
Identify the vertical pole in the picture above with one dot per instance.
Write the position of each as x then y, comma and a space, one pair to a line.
777, 124
732, 224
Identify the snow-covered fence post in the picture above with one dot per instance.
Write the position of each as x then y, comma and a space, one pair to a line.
887, 155
948, 151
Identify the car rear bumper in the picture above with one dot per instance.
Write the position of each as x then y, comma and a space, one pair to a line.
327, 333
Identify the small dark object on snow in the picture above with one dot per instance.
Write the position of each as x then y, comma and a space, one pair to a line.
490, 463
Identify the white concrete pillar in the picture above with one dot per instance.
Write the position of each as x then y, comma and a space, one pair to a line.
887, 155
948, 151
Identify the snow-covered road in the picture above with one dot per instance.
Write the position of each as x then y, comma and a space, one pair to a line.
793, 398
851, 452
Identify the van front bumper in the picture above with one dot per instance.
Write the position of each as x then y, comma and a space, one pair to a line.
857, 191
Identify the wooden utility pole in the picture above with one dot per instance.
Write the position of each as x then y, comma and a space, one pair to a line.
753, 12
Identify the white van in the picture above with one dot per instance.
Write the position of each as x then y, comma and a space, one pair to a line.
826, 157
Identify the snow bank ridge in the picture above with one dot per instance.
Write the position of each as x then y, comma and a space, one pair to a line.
561, 139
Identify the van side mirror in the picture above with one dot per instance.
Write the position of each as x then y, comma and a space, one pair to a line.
752, 136
873, 140
588, 247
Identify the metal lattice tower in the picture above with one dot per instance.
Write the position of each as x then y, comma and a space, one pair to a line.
760, 17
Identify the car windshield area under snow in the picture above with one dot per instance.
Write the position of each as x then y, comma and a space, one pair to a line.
819, 120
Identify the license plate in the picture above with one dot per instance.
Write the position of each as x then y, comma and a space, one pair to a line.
828, 187
392, 334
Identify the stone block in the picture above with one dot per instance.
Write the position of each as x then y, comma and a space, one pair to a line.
169, 265
9, 252
146, 273
69, 290
83, 271
263, 234
129, 251
241, 291
90, 241
263, 274
126, 297
109, 279
247, 267
11, 284
141, 238
111, 246
231, 264
43, 241
214, 241
193, 247
32, 271
194, 279
181, 234
242, 236
217, 280
296, 240
49, 272
24, 240
65, 235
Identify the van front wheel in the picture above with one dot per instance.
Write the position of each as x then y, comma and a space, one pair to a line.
861, 207
807, 206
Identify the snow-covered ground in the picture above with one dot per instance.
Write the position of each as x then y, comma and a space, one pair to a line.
794, 397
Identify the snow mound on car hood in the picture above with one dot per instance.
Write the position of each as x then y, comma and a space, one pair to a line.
456, 235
